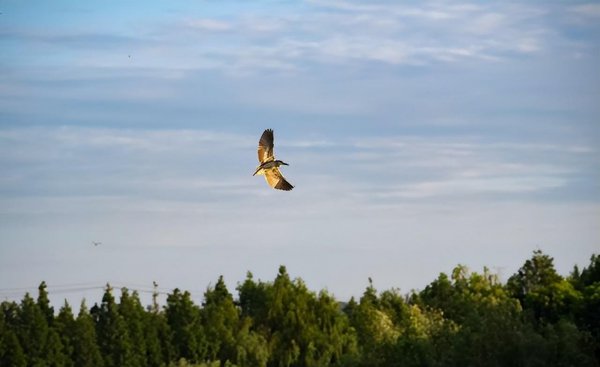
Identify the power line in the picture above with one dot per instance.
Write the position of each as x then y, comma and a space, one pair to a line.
80, 287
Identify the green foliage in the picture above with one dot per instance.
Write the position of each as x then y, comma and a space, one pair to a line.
542, 292
44, 304
11, 353
86, 351
64, 324
183, 318
220, 319
112, 333
133, 314
587, 282
158, 339
466, 318
32, 331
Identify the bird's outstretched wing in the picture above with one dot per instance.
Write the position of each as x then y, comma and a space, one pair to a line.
265, 146
276, 180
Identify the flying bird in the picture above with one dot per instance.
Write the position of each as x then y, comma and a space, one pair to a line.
96, 243
269, 166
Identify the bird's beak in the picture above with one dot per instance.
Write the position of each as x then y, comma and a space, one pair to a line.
285, 164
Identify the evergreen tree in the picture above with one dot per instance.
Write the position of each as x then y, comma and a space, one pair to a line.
220, 319
86, 352
64, 325
158, 339
157, 334
541, 290
282, 320
44, 304
53, 354
253, 299
11, 353
112, 333
538, 318
132, 312
183, 318
32, 331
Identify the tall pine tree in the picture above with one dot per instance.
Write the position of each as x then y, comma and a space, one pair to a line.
112, 333
86, 352
132, 312
32, 331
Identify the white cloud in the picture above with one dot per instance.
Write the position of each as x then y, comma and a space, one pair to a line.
211, 25
591, 10
332, 32
459, 187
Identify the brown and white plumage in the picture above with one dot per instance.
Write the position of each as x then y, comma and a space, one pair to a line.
265, 147
269, 166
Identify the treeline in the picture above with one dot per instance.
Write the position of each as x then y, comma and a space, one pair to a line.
538, 318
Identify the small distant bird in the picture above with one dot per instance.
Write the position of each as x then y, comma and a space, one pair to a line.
96, 243
269, 166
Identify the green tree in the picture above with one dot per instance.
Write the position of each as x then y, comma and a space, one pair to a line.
220, 319
112, 333
32, 331
565, 345
183, 318
157, 334
132, 312
253, 299
86, 352
53, 353
158, 339
11, 353
375, 329
541, 290
44, 304
588, 283
330, 340
64, 325
303, 329
252, 349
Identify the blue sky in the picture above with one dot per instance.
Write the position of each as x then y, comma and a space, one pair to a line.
420, 135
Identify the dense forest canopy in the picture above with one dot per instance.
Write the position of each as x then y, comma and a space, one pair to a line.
538, 318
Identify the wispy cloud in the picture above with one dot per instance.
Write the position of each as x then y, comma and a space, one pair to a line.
181, 163
590, 10
212, 25
327, 32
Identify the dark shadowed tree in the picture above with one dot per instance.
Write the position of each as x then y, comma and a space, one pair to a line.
53, 353
588, 317
11, 353
64, 324
542, 291
44, 304
32, 331
86, 352
112, 333
253, 299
